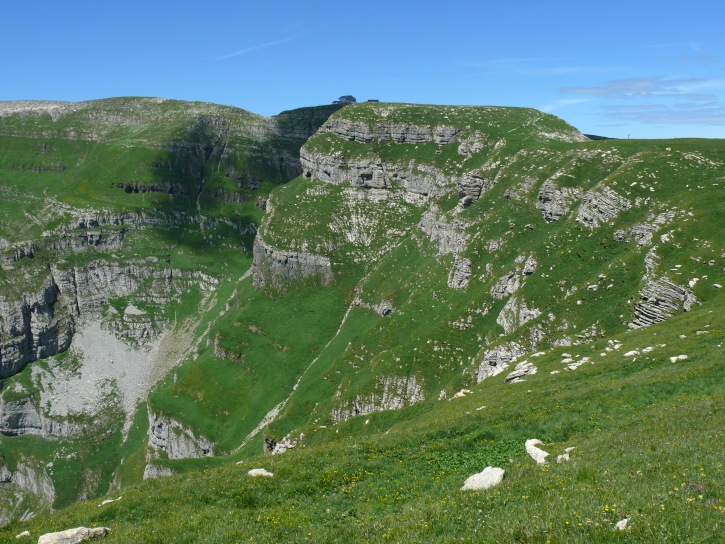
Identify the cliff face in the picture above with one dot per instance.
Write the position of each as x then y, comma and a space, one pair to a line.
277, 267
42, 324
400, 133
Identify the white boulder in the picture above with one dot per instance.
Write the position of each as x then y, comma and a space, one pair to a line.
255, 472
489, 477
564, 456
621, 524
536, 454
73, 536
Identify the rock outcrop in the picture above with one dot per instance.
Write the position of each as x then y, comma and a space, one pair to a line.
36, 326
660, 296
42, 324
175, 441
497, 359
555, 202
516, 313
370, 172
472, 185
32, 477
450, 237
642, 232
392, 393
408, 133
73, 536
152, 471
460, 274
524, 368
600, 206
22, 416
257, 472
509, 283
537, 454
277, 267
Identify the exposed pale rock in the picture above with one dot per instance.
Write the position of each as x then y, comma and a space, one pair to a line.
472, 144
22, 416
524, 368
564, 456
600, 206
448, 235
621, 525
277, 267
497, 359
256, 472
473, 185
460, 274
661, 297
462, 393
152, 471
383, 308
489, 477
23, 534
678, 358
369, 172
536, 454
642, 233
178, 442
286, 444
32, 476
43, 323
520, 190
515, 314
509, 283
357, 131
555, 202
391, 393
73, 536
421, 180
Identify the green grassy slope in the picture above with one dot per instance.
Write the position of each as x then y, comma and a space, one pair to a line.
646, 432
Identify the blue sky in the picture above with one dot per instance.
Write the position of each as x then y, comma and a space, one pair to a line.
639, 68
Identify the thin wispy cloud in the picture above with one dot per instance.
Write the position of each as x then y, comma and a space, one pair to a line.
704, 59
712, 113
548, 108
533, 66
265, 45
648, 87
504, 63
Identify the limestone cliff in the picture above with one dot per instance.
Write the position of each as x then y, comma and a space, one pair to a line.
276, 267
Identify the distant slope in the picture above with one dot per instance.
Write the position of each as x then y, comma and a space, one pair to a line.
122, 223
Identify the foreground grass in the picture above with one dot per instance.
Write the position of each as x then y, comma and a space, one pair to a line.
648, 436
